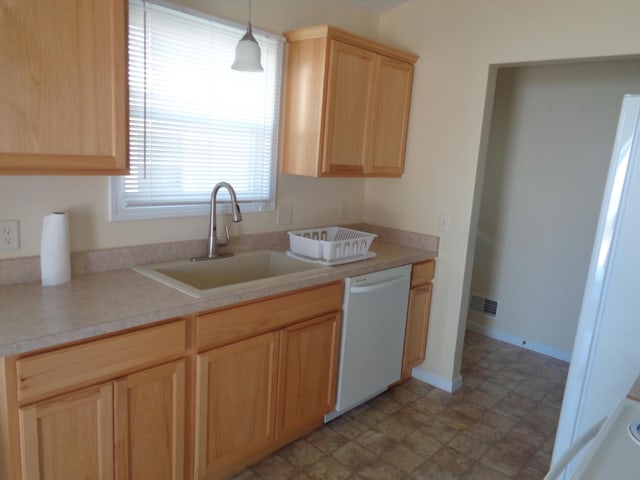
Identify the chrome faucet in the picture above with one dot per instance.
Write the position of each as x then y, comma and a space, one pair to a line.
236, 216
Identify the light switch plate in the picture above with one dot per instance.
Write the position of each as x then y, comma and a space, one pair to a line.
444, 221
9, 235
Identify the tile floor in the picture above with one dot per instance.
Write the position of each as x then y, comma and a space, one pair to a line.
501, 424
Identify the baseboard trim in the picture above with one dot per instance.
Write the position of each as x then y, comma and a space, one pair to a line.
437, 381
519, 341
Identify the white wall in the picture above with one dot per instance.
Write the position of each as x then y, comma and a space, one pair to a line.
550, 145
315, 202
458, 41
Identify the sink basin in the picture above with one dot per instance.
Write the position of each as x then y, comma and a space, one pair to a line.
202, 277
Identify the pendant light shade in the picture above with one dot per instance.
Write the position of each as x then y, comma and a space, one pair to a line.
248, 51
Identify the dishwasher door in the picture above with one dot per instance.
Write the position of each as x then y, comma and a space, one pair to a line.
373, 326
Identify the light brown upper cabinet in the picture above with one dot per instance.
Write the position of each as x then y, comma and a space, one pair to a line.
63, 88
347, 105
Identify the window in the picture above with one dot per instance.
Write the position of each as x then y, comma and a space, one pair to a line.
193, 121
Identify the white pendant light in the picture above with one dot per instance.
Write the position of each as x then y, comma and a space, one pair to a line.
248, 51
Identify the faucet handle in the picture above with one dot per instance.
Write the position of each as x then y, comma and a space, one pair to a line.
226, 240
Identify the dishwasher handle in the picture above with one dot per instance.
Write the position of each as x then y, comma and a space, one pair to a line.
377, 286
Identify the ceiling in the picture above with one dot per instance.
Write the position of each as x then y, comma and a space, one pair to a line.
378, 6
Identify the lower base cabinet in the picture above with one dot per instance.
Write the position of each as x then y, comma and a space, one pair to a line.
199, 397
70, 436
309, 355
255, 395
415, 339
132, 427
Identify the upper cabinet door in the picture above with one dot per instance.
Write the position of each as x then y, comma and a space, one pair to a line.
348, 114
391, 116
347, 105
63, 88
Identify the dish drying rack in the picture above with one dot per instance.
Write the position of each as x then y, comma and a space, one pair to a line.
330, 245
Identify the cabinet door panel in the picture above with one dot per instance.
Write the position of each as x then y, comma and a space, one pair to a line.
63, 87
348, 114
235, 402
149, 424
391, 116
415, 340
69, 437
308, 369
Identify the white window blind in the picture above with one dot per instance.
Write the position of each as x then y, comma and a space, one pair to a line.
194, 121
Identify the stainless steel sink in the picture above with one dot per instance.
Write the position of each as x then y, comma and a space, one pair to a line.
204, 277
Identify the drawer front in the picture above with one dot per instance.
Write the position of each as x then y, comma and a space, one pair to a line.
422, 273
225, 326
98, 360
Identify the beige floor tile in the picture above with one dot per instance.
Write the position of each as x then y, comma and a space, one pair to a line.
485, 433
433, 471
375, 442
440, 431
328, 469
379, 470
353, 456
452, 460
275, 468
470, 445
327, 440
427, 406
411, 417
347, 427
422, 444
393, 429
301, 454
367, 415
403, 458
482, 472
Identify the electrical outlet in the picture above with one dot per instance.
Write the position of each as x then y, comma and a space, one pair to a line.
9, 235
285, 214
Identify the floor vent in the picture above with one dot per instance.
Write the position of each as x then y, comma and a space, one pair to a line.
483, 305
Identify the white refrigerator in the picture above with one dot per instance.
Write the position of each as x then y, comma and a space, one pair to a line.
606, 354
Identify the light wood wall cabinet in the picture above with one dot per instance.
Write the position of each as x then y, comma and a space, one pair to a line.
347, 105
109, 408
63, 88
266, 376
415, 340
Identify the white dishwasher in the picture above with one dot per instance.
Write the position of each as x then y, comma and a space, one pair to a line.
373, 325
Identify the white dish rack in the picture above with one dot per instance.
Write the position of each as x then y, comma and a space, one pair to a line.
330, 245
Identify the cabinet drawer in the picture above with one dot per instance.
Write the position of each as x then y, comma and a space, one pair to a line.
98, 360
225, 326
422, 273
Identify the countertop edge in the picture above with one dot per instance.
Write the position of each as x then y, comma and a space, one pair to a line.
174, 304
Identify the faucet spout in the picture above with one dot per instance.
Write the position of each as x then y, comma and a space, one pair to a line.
236, 216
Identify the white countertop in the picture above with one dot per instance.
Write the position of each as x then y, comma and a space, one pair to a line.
34, 317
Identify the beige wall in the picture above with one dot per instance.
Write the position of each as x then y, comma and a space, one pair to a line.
551, 138
457, 41
315, 202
